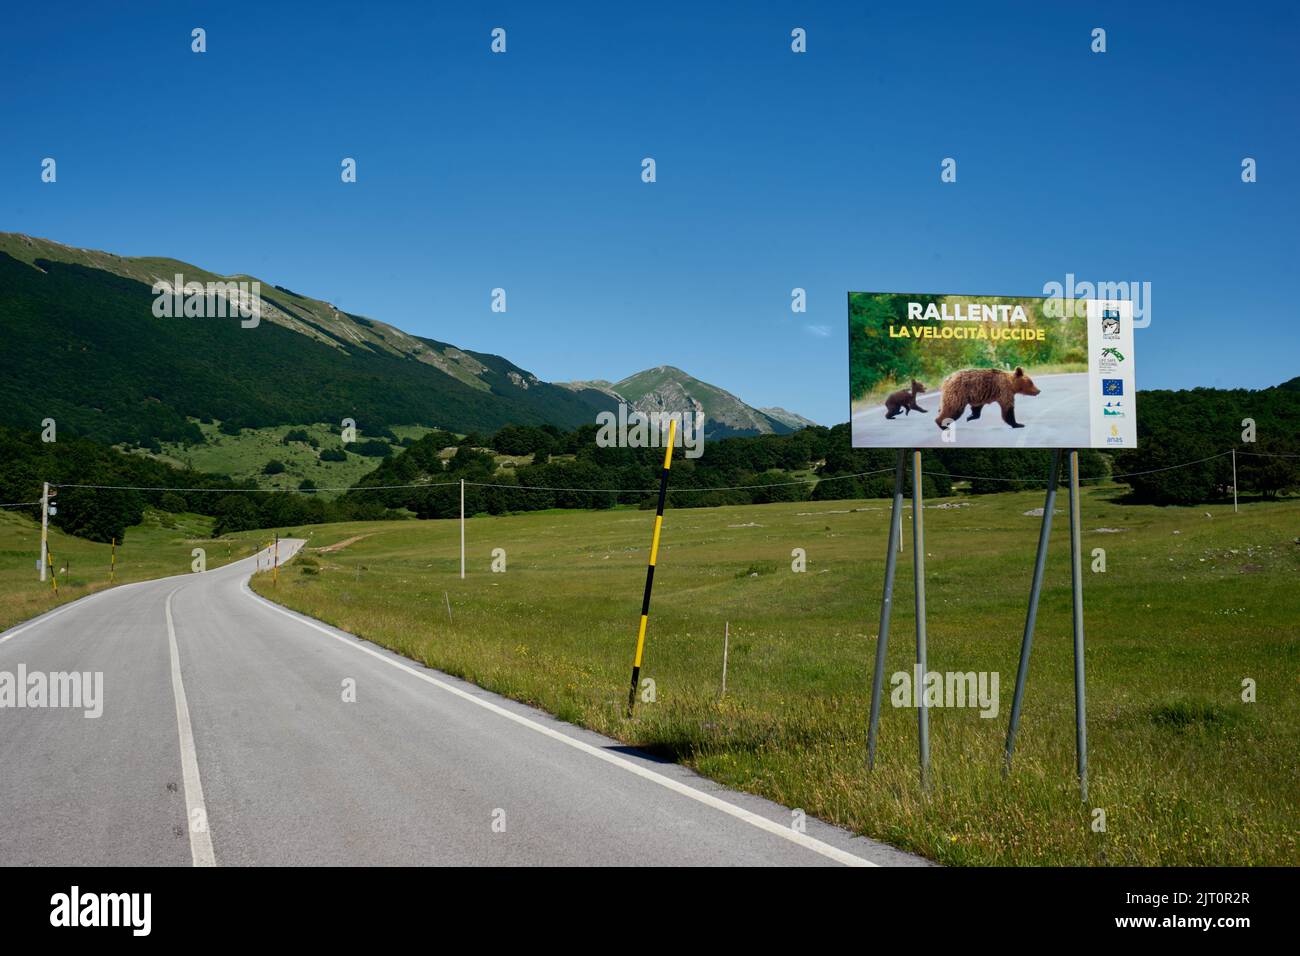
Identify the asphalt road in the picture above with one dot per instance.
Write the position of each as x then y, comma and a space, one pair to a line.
225, 739
1055, 418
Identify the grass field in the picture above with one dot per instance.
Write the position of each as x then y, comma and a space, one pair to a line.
162, 545
244, 455
1192, 602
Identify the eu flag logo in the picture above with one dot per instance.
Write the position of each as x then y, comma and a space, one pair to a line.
1112, 386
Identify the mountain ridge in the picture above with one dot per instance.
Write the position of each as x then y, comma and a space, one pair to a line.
127, 376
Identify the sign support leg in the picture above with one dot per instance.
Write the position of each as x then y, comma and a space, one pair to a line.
1035, 589
1076, 579
886, 606
918, 575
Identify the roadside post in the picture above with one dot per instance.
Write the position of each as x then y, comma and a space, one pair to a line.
726, 640
45, 527
1234, 481
650, 568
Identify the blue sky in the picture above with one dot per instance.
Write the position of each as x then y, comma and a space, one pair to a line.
775, 170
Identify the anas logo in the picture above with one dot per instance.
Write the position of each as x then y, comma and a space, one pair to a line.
1112, 386
1114, 438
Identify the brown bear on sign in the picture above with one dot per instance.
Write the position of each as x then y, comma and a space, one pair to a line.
978, 387
904, 400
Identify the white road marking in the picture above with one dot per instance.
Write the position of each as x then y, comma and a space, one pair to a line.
762, 823
107, 592
200, 839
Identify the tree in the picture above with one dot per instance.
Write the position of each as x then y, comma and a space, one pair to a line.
170, 501
234, 513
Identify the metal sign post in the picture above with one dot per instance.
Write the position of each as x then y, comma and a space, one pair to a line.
886, 606
1027, 642
1035, 589
918, 576
1076, 580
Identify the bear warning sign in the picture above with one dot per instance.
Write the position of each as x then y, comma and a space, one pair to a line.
971, 371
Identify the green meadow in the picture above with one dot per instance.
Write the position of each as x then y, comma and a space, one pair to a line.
244, 456
1193, 605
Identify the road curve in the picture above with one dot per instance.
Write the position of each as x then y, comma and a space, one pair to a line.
225, 739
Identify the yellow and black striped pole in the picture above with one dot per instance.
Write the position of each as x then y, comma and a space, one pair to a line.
112, 567
650, 568
54, 575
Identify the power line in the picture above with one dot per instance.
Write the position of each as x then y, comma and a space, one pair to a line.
674, 491
816, 479
305, 491
1124, 474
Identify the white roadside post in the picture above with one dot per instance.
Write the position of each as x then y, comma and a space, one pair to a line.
1234, 481
462, 530
726, 640
45, 528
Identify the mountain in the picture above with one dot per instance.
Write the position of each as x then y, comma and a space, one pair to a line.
669, 389
791, 419
82, 346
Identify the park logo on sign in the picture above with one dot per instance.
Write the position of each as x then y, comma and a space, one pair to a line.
1110, 323
1113, 410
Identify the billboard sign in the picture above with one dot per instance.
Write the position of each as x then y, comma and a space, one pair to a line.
974, 371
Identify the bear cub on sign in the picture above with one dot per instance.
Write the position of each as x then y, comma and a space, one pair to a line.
978, 387
904, 400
